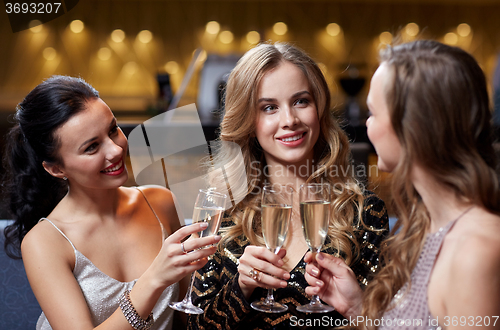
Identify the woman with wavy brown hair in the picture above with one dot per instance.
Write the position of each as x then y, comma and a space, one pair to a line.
277, 110
431, 127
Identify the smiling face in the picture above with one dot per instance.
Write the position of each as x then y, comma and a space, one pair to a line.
287, 125
379, 126
92, 148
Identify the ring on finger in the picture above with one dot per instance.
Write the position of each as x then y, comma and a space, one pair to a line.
254, 274
182, 248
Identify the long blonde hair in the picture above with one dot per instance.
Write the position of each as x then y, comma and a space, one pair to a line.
439, 108
331, 150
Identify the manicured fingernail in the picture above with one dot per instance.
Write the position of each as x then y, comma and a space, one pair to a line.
315, 272
283, 284
217, 238
320, 256
280, 263
203, 225
319, 283
286, 276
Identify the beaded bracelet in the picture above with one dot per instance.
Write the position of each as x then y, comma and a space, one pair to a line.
133, 318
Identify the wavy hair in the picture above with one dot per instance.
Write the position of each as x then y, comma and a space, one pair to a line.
330, 151
439, 109
31, 192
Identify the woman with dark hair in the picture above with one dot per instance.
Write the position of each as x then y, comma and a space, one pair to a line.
96, 254
431, 127
277, 110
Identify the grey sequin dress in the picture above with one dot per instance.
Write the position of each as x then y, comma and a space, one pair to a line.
103, 293
410, 308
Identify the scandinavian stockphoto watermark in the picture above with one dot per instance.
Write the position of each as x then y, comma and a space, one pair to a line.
348, 174
356, 322
310, 167
359, 321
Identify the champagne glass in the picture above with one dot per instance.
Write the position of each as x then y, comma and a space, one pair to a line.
314, 201
208, 207
275, 218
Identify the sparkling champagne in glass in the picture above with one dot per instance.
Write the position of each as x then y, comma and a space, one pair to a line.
275, 219
314, 201
208, 207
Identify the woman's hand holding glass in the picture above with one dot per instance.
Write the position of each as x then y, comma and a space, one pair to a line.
208, 210
172, 263
315, 215
276, 212
334, 282
270, 274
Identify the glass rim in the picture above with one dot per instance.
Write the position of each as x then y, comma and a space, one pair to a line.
270, 187
212, 192
315, 184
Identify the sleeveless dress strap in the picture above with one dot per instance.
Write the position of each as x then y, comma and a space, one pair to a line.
163, 233
60, 231
435, 242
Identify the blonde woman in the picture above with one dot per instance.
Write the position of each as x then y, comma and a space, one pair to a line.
431, 127
278, 111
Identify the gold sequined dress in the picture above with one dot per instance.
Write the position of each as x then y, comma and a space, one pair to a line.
216, 288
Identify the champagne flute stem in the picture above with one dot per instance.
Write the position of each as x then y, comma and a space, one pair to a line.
270, 297
315, 300
190, 289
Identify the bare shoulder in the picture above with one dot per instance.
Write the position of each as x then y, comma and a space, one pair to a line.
162, 200
158, 196
475, 264
45, 238
156, 190
49, 260
479, 236
45, 249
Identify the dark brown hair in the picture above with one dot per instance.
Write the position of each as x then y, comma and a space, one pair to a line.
31, 192
439, 108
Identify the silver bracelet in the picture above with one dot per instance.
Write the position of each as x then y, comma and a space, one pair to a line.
133, 318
